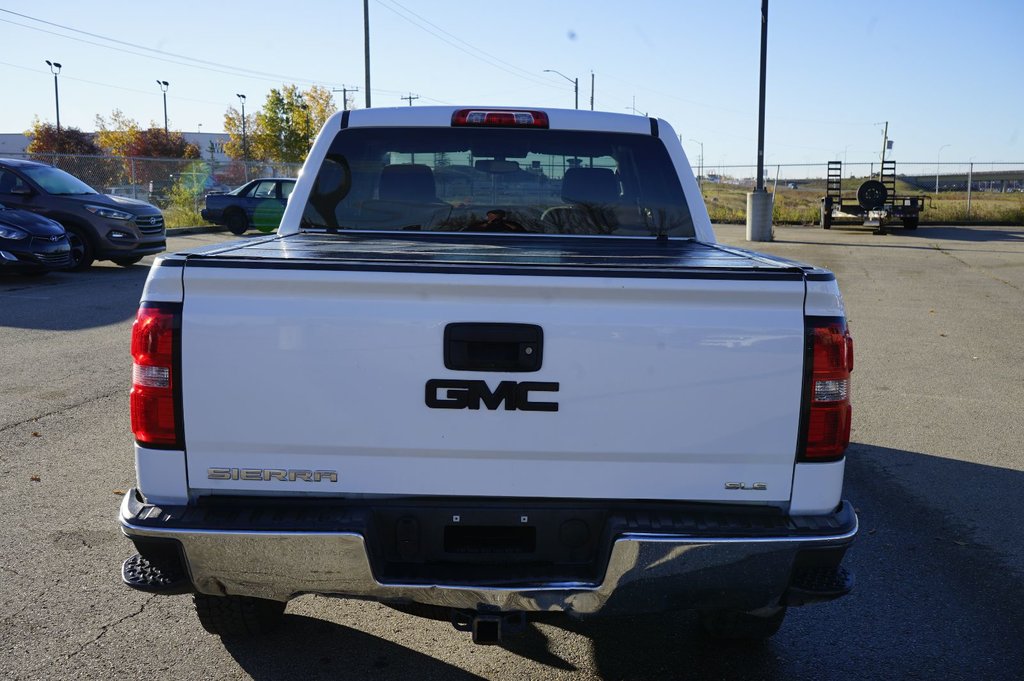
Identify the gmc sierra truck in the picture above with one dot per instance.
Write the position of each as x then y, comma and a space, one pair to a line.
507, 370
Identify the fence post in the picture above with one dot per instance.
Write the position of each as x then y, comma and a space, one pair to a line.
970, 172
131, 180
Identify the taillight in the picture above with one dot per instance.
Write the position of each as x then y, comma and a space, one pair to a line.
154, 402
500, 118
827, 420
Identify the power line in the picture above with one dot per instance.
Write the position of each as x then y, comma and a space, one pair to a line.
232, 71
528, 74
237, 69
473, 52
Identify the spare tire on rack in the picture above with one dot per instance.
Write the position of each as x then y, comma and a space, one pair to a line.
872, 195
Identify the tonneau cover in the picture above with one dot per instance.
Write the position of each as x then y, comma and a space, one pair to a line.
586, 256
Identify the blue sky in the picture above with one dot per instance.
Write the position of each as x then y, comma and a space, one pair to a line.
941, 73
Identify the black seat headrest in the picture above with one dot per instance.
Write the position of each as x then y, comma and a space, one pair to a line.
590, 185
407, 182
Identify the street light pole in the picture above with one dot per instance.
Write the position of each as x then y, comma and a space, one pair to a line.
575, 85
366, 43
939, 154
55, 69
760, 105
760, 204
163, 88
305, 108
245, 142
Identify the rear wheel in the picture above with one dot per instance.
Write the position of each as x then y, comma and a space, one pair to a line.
82, 252
910, 222
127, 262
738, 625
236, 222
238, 616
826, 216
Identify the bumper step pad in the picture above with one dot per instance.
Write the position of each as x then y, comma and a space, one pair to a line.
139, 573
819, 584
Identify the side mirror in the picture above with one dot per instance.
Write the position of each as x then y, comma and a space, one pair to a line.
22, 190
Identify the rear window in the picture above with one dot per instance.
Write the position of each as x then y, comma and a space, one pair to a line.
498, 180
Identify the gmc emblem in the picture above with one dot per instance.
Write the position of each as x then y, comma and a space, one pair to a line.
454, 394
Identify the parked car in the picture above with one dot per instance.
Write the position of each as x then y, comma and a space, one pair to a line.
99, 226
31, 244
258, 204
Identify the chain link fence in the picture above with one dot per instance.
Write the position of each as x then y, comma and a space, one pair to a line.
957, 192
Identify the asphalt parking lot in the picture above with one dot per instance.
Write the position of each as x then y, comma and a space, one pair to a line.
936, 472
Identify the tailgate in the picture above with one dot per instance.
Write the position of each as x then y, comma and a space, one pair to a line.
323, 381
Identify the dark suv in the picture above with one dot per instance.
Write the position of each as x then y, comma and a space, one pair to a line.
99, 227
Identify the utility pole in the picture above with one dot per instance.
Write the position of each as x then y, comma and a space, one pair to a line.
344, 95
163, 87
885, 143
55, 69
366, 43
410, 98
591, 90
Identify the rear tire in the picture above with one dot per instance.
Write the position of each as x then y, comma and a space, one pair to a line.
910, 223
236, 222
735, 625
826, 217
82, 252
238, 616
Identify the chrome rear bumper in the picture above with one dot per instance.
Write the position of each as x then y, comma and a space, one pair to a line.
646, 572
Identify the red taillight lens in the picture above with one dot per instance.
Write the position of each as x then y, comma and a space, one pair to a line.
500, 118
153, 400
828, 419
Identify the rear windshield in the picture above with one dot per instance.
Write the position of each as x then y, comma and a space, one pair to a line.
498, 180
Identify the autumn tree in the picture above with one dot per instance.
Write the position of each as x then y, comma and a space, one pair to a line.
155, 143
117, 134
45, 140
284, 128
122, 136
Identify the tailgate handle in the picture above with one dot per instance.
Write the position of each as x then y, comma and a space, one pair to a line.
493, 347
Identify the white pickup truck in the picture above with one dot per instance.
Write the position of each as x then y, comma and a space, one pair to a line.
492, 363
